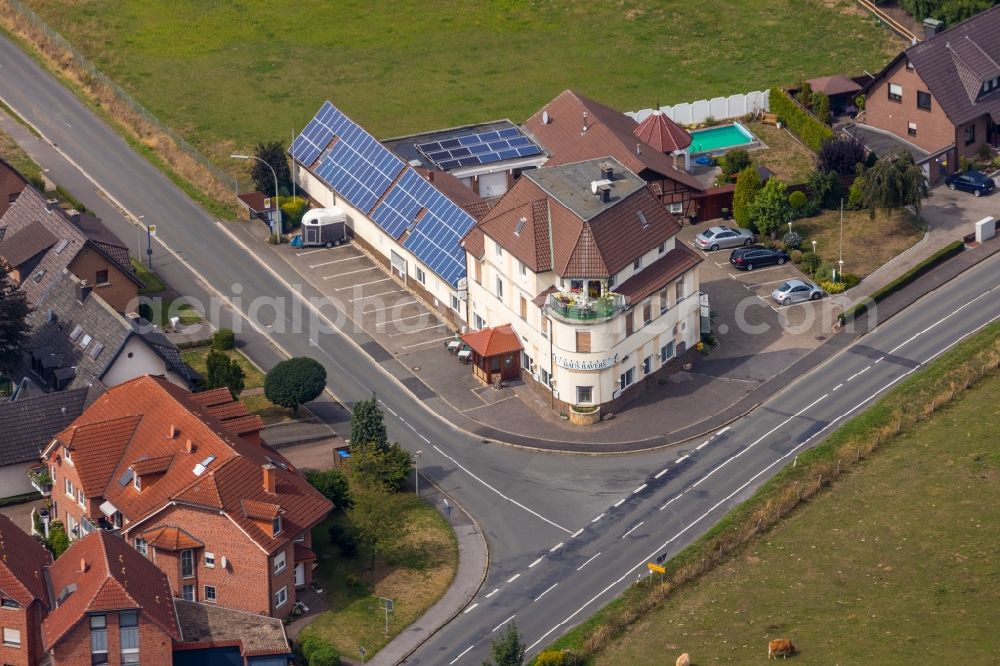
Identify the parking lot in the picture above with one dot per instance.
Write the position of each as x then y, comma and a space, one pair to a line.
758, 338
370, 297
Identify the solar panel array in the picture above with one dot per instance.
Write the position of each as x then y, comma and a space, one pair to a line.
481, 148
362, 170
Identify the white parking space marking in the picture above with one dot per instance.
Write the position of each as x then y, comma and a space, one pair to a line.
322, 249
393, 335
556, 547
336, 261
598, 518
381, 293
364, 284
587, 562
394, 305
360, 270
740, 274
761, 284
428, 342
576, 534
392, 321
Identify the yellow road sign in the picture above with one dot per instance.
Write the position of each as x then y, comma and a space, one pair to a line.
656, 567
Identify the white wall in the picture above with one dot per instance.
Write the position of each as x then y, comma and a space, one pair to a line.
135, 360
14, 479
720, 108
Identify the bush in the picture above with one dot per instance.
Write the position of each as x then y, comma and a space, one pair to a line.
734, 162
58, 539
824, 188
292, 211
841, 154
295, 381
798, 200
344, 539
903, 280
821, 107
811, 209
792, 241
224, 339
795, 256
747, 185
552, 658
850, 280
222, 371
799, 121
805, 94
832, 287
824, 272
809, 262
333, 485
963, 163
317, 652
855, 196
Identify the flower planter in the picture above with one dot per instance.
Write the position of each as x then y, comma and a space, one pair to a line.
584, 416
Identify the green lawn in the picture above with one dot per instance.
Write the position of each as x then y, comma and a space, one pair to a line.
230, 74
415, 575
868, 242
791, 161
898, 564
154, 284
197, 358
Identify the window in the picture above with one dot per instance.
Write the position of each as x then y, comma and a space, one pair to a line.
647, 313
499, 249
420, 275
70, 489
526, 361
12, 637
583, 341
545, 327
101, 277
676, 208
663, 301
80, 498
187, 592
499, 288
647, 365
479, 272
455, 303
68, 455
209, 560
626, 379
970, 134
210, 594
276, 526
281, 597
140, 545
546, 377
629, 323
667, 352
522, 270
280, 562
895, 92
611, 280
98, 639
7, 602
923, 100
128, 629
524, 307
911, 129
637, 264
136, 482
480, 322
187, 563
86, 340
679, 288
584, 395
662, 248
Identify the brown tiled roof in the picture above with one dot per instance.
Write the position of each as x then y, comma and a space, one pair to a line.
22, 565
152, 406
12, 183
17, 248
117, 578
609, 133
955, 63
171, 538
97, 449
544, 295
658, 274
530, 244
208, 624
474, 243
662, 133
212, 397
478, 209
260, 510
493, 341
303, 554
153, 465
837, 84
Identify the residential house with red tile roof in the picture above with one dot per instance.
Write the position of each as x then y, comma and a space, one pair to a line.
581, 260
940, 98
185, 479
572, 128
24, 597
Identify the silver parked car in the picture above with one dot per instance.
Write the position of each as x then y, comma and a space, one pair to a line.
715, 238
794, 291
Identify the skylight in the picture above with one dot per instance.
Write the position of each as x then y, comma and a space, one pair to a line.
75, 333
200, 468
61, 245
642, 220
520, 226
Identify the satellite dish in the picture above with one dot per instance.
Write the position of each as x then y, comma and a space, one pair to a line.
545, 117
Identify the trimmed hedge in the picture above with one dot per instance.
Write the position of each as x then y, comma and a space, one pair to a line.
801, 123
903, 280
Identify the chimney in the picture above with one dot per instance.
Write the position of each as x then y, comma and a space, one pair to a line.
83, 290
932, 27
430, 176
189, 446
607, 171
73, 215
605, 191
270, 478
586, 126
173, 431
83, 565
51, 204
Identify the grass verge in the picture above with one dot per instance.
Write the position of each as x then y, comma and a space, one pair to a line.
197, 358
898, 557
868, 243
154, 284
415, 575
911, 402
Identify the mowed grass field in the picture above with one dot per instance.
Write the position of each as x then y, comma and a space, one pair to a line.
230, 74
898, 564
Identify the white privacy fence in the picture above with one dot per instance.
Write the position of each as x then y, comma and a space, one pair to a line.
720, 108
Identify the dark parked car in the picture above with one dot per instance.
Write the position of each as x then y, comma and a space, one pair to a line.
976, 182
755, 256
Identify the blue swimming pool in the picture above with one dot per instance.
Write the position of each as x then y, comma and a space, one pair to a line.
720, 139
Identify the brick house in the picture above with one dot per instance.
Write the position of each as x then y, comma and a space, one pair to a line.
111, 606
24, 599
185, 479
942, 95
40, 239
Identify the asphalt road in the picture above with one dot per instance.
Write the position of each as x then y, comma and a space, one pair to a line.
565, 534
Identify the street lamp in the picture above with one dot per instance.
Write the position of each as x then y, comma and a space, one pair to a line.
789, 227
814, 247
277, 208
416, 470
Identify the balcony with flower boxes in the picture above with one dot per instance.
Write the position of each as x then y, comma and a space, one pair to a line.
577, 308
41, 480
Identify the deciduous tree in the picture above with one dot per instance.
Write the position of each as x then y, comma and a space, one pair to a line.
507, 649
841, 155
373, 465
894, 181
770, 210
747, 185
368, 423
295, 381
380, 518
272, 152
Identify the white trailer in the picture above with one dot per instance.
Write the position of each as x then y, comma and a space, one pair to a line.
324, 226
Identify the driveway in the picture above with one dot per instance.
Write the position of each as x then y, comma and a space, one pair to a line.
955, 212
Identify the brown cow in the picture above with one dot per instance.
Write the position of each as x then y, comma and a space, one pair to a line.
683, 660
780, 646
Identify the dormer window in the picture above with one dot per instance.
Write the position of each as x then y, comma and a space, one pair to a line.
276, 526
909, 65
137, 482
67, 455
